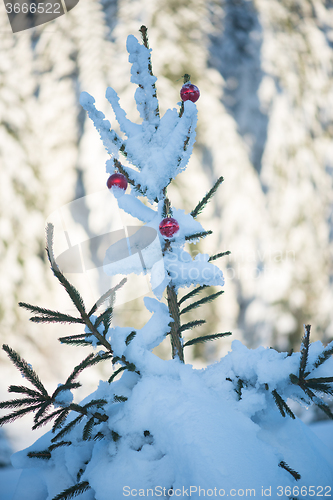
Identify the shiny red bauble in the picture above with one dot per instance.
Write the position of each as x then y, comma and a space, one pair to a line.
189, 92
168, 227
117, 180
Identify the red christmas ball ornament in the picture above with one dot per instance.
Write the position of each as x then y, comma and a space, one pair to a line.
117, 180
168, 227
189, 92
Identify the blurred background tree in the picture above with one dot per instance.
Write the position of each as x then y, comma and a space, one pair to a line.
265, 123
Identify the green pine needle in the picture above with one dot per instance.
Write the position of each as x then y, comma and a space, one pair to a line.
190, 325
200, 302
16, 414
49, 316
59, 421
45, 455
115, 436
304, 351
238, 389
282, 405
119, 399
218, 255
77, 340
196, 236
16, 403
65, 387
90, 360
46, 419
291, 471
25, 369
73, 491
110, 293
25, 390
70, 289
326, 354
130, 337
87, 430
207, 338
201, 205
192, 293
65, 430
58, 445
106, 317
114, 374
99, 403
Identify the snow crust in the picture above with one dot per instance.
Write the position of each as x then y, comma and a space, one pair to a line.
183, 428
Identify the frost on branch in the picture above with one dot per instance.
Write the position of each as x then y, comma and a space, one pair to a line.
157, 149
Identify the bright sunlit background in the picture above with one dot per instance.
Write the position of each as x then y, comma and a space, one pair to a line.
265, 122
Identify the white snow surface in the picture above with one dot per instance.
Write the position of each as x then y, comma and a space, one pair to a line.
183, 428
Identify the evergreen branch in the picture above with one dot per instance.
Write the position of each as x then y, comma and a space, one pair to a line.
86, 435
43, 407
96, 333
15, 403
291, 471
60, 419
166, 210
58, 445
325, 408
191, 324
70, 289
218, 255
200, 302
115, 436
25, 369
79, 340
192, 293
320, 380
46, 419
195, 236
65, 430
326, 354
200, 206
121, 169
90, 360
130, 337
95, 402
79, 368
282, 405
48, 316
119, 399
207, 338
114, 374
65, 387
106, 295
73, 491
304, 351
45, 455
175, 332
104, 317
25, 390
98, 436
143, 30
238, 389
16, 414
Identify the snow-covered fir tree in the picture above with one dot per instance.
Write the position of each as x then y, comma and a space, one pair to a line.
263, 68
160, 427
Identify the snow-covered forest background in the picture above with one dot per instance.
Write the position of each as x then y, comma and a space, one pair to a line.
264, 69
